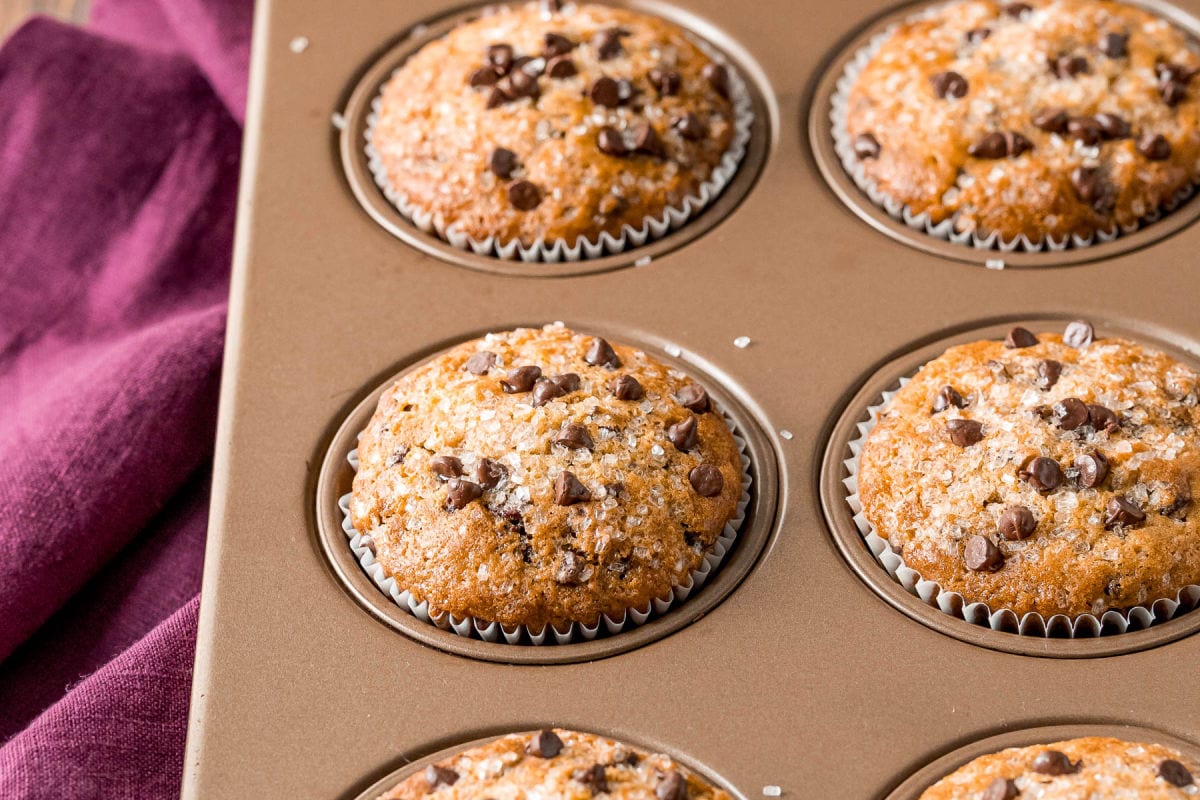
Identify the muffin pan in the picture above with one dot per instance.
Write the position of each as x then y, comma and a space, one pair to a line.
801, 677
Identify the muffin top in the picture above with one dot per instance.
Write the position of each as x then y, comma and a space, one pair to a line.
541, 477
1093, 768
544, 122
559, 764
1051, 118
1042, 475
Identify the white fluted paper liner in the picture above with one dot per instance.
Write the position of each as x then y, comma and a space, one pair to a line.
1003, 619
945, 229
606, 244
494, 632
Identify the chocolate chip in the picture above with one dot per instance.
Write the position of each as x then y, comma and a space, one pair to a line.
527, 65
398, 455
1172, 90
605, 92
1079, 334
570, 570
1043, 474
646, 141
1051, 120
524, 196
1016, 10
1017, 523
980, 555
521, 84
693, 397
568, 490
691, 127
992, 145
484, 76
1085, 129
438, 777
1154, 146
1089, 185
593, 777
567, 382
717, 77
665, 81
1122, 512
1018, 337
479, 363
459, 493
1112, 126
445, 467
614, 489
1069, 413
965, 432
601, 354
626, 387
1174, 773
1048, 371
683, 434
1000, 789
948, 396
706, 480
497, 97
673, 786
550, 6
1016, 144
544, 391
500, 56
1054, 762
503, 163
610, 141
545, 744
1175, 501
607, 43
949, 84
866, 146
1069, 66
1114, 45
555, 44
520, 380
574, 436
977, 35
1093, 468
488, 473
561, 67
1102, 419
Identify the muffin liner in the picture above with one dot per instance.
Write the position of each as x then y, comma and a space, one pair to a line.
520, 634
1006, 620
606, 244
923, 222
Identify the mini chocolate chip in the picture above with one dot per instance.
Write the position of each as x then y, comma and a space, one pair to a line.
1017, 10
645, 140
866, 146
561, 67
570, 571
524, 196
503, 163
445, 467
438, 777
479, 363
977, 35
1017, 523
1122, 512
948, 396
544, 391
567, 382
574, 436
569, 491
1069, 413
1172, 90
1018, 337
693, 397
593, 777
1069, 66
610, 141
1113, 126
550, 6
1079, 334
484, 76
1043, 474
525, 64
601, 354
706, 480
520, 380
1000, 789
965, 432
1051, 120
1174, 773
673, 786
949, 84
459, 493
545, 744
717, 77
555, 44
992, 145
1085, 129
691, 127
1088, 185
1093, 468
1048, 371
1016, 144
497, 97
980, 555
522, 84
1114, 45
500, 56
683, 434
1154, 146
1054, 762
665, 81
626, 387
1102, 419
488, 473
605, 92
607, 43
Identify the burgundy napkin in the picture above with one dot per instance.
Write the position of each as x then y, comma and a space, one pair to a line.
118, 175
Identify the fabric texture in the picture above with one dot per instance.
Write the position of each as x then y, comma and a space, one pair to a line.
119, 149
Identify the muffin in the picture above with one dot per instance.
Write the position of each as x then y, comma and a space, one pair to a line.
1052, 120
1049, 474
539, 123
560, 764
1095, 768
542, 477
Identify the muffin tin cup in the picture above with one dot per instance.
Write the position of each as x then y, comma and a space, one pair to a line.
557, 251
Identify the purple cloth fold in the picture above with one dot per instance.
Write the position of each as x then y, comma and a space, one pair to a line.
118, 177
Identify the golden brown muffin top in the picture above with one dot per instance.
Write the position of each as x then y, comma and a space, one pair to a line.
1093, 768
1047, 118
534, 124
556, 764
1039, 476
540, 476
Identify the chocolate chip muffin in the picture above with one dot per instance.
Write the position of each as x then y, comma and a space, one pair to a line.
1096, 768
559, 764
1050, 474
545, 123
542, 477
1053, 120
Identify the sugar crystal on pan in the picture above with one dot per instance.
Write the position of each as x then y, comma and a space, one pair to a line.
772, 791
299, 44
742, 342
